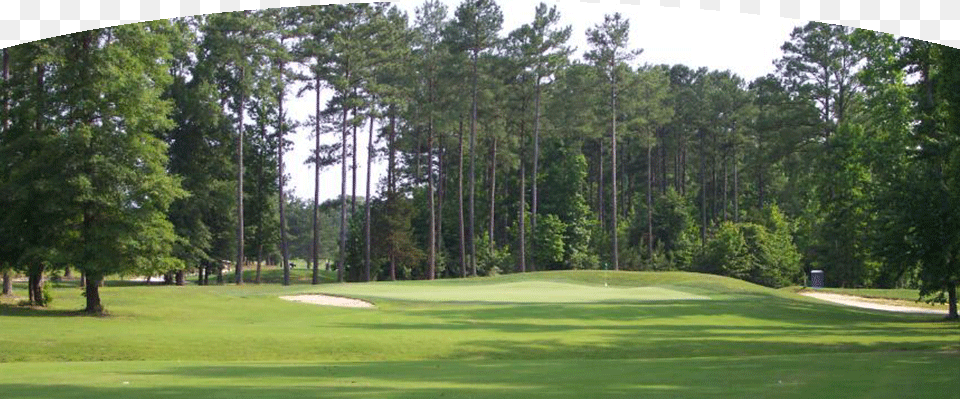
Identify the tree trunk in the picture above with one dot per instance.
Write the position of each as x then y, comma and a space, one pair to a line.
703, 193
343, 191
366, 227
536, 156
473, 173
952, 302
736, 189
441, 187
7, 283
353, 186
35, 284
523, 206
613, 163
393, 268
240, 241
723, 204
432, 236
493, 190
4, 126
92, 294
259, 261
179, 277
5, 116
600, 199
463, 238
663, 162
649, 203
315, 244
284, 255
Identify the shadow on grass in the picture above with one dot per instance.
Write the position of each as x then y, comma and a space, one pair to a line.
33, 311
865, 375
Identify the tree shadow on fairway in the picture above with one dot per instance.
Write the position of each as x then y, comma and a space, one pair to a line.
32, 311
867, 375
752, 326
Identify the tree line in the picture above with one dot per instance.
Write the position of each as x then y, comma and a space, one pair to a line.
160, 147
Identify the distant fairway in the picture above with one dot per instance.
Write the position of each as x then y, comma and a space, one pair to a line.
533, 335
513, 292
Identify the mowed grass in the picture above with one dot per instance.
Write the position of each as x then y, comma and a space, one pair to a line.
510, 292
643, 334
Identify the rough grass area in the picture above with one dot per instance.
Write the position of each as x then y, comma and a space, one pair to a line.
742, 340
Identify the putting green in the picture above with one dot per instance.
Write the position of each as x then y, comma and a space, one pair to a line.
512, 292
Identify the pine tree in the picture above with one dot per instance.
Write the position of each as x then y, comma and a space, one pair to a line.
609, 42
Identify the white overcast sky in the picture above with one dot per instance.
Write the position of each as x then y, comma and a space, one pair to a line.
742, 43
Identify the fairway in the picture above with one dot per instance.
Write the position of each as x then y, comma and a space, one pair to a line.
534, 335
514, 292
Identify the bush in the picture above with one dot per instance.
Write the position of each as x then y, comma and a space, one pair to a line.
548, 243
47, 294
751, 252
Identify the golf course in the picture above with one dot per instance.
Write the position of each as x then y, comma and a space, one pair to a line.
573, 334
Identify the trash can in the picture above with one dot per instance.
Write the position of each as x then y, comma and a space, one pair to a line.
816, 279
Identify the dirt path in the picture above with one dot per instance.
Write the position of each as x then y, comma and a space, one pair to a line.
869, 303
329, 300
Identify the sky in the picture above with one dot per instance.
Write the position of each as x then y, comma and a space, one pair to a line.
744, 44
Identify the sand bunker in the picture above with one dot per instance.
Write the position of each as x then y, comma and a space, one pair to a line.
868, 303
329, 300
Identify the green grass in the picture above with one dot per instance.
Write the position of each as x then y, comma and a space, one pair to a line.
558, 334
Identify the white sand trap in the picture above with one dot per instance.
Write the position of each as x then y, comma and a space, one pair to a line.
867, 303
328, 300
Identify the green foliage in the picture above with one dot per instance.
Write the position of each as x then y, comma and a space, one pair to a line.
548, 250
491, 259
674, 229
843, 249
761, 252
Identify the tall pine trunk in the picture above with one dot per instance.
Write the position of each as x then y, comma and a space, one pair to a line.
432, 236
4, 125
315, 244
493, 190
441, 187
366, 211
649, 202
523, 205
343, 189
536, 156
703, 192
283, 220
473, 173
240, 241
600, 199
736, 188
463, 238
259, 261
613, 163
353, 186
